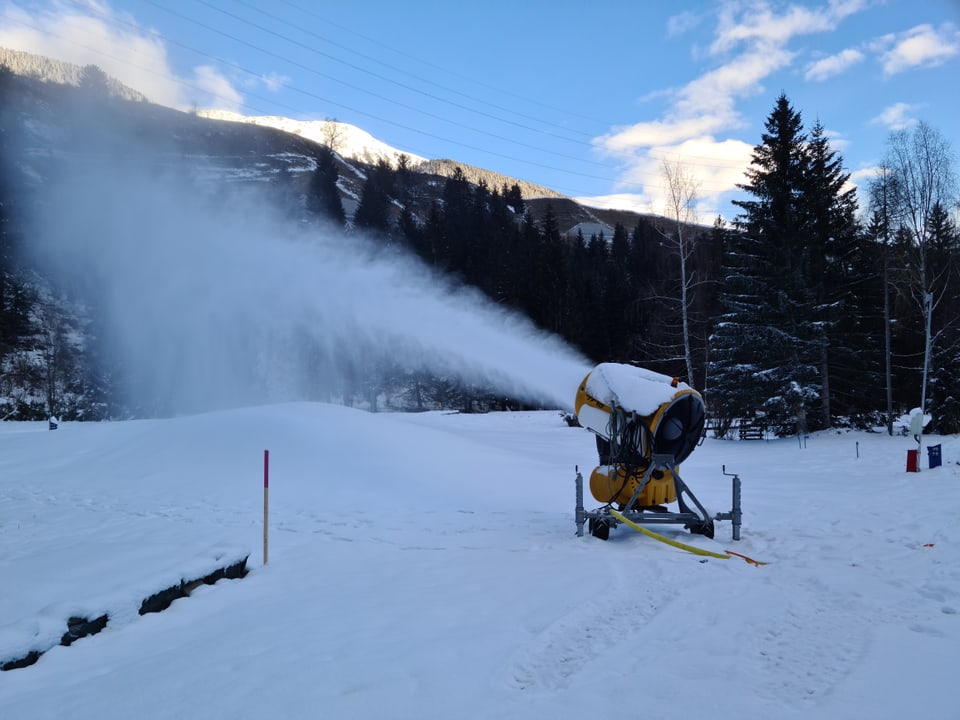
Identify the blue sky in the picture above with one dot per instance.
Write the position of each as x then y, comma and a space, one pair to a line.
588, 98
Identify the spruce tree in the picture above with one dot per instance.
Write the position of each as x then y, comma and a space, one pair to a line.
767, 344
514, 198
434, 248
457, 210
499, 251
324, 195
831, 247
551, 275
373, 211
943, 238
591, 295
883, 193
944, 391
5, 251
480, 232
736, 345
617, 294
644, 270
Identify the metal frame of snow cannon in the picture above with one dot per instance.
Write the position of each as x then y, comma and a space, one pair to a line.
646, 424
600, 521
735, 516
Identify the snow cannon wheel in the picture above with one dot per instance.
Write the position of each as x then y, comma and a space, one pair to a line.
701, 528
600, 529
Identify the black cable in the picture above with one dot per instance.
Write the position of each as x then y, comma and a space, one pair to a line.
453, 91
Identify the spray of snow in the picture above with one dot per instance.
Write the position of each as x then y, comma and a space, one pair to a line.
216, 301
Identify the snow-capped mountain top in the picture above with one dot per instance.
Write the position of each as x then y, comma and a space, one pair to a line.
346, 140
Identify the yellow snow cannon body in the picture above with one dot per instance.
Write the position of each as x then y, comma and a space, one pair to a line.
646, 424
617, 484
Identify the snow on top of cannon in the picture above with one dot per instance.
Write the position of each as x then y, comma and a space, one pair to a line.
635, 389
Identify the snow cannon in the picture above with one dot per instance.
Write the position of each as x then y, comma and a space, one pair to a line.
646, 424
636, 413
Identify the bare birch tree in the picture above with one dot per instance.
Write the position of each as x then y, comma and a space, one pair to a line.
333, 134
922, 163
681, 210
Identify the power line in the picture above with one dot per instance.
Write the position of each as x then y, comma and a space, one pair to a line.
100, 52
651, 153
484, 150
415, 109
397, 103
566, 111
427, 81
447, 70
406, 86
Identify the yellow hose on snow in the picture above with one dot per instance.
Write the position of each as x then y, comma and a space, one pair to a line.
677, 544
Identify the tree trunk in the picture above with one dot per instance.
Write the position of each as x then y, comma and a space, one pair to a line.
684, 307
825, 384
886, 339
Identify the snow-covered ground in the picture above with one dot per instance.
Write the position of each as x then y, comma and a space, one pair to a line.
425, 566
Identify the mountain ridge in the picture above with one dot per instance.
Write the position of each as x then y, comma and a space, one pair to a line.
352, 142
346, 140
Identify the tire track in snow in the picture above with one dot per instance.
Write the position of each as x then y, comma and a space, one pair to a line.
806, 645
556, 654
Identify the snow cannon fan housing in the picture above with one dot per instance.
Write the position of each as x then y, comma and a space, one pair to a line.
636, 414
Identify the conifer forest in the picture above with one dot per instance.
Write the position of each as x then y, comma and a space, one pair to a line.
815, 306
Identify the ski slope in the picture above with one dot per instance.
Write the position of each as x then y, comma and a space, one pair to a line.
426, 566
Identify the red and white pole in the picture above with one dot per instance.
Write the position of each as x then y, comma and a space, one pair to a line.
266, 500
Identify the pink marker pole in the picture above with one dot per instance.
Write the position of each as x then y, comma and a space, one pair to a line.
266, 501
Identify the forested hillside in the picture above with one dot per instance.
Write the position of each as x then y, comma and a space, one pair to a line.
54, 71
778, 315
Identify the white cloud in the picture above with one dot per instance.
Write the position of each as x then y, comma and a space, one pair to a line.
833, 65
838, 143
682, 23
616, 201
896, 116
760, 22
921, 46
751, 39
274, 82
864, 176
215, 90
97, 35
860, 179
717, 165
658, 133
704, 106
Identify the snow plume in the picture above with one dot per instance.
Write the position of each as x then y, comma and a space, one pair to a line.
211, 300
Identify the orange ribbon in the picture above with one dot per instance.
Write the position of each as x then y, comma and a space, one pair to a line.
758, 563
